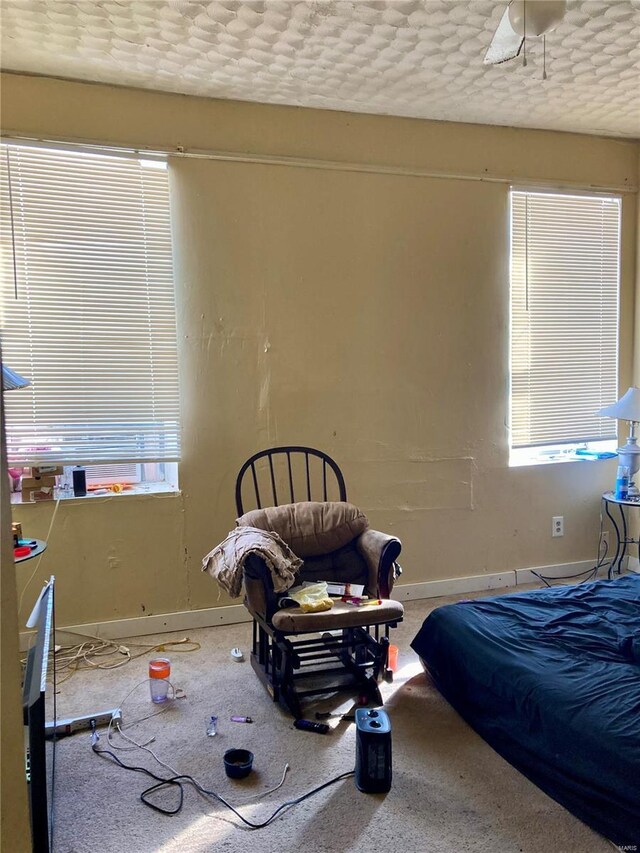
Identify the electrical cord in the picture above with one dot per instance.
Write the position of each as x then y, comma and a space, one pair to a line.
89, 653
271, 790
591, 573
177, 693
179, 780
145, 747
39, 560
158, 646
602, 560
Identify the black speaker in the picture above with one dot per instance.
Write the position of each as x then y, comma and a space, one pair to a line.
79, 481
373, 751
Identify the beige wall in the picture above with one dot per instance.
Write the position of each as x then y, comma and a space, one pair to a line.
364, 312
636, 336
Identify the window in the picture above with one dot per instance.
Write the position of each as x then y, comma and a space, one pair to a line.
565, 252
88, 311
129, 477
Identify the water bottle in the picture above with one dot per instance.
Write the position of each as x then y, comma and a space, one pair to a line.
212, 728
622, 483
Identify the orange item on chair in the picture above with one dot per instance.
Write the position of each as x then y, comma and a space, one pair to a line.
392, 659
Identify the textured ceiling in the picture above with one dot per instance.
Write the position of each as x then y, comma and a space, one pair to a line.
419, 58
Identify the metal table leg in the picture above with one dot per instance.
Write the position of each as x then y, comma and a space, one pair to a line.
625, 538
618, 543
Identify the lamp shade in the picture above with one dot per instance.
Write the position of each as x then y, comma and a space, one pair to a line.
11, 380
627, 408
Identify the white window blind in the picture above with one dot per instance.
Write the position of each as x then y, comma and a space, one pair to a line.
564, 317
88, 309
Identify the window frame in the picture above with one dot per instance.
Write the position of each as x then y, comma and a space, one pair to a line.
96, 271
570, 450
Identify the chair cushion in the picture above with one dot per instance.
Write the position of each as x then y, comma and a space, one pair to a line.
291, 620
310, 528
345, 565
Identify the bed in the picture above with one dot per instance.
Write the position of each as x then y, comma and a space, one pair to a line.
550, 679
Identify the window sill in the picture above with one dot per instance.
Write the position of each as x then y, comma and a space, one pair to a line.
136, 491
553, 460
597, 451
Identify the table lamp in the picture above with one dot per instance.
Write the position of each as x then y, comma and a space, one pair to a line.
628, 409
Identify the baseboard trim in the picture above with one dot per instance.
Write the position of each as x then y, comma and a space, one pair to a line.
210, 617
452, 586
162, 623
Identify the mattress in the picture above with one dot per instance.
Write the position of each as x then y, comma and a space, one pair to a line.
551, 680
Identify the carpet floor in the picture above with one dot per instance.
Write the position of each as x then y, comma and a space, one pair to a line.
451, 792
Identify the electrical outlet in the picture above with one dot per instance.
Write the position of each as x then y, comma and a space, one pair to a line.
557, 525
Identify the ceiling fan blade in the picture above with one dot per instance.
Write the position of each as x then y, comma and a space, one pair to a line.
505, 44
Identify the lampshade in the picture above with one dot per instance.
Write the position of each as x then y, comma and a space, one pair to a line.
11, 380
627, 408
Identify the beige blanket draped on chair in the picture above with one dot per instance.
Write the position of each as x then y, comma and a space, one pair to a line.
225, 563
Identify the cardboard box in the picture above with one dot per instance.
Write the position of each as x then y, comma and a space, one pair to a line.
29, 483
42, 493
40, 471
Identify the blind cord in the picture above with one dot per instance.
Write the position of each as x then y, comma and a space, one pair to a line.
13, 230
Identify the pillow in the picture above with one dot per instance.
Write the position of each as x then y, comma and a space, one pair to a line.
310, 528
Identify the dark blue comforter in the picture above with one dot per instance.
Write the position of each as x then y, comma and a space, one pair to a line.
551, 679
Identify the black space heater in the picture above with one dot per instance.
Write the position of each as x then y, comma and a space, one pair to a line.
373, 751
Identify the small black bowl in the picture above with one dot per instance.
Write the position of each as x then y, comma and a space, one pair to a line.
238, 763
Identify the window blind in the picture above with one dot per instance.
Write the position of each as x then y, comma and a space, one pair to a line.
564, 317
88, 309
125, 473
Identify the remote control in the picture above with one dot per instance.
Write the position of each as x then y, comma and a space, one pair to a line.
308, 726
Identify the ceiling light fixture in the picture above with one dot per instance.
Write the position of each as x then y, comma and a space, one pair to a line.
522, 20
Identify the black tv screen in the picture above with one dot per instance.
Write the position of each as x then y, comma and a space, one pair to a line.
40, 767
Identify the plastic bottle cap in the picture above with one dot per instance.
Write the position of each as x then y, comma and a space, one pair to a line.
159, 668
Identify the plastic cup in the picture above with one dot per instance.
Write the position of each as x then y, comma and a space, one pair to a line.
159, 672
392, 659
